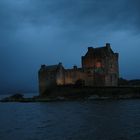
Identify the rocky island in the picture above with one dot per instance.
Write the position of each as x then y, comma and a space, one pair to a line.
97, 78
68, 93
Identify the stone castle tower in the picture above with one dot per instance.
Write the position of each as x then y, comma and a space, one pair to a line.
99, 68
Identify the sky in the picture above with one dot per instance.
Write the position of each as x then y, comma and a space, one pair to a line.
35, 32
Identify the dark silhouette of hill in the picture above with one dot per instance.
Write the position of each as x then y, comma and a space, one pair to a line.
125, 82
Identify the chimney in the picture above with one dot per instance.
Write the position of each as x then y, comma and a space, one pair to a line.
60, 64
43, 66
90, 48
108, 45
74, 67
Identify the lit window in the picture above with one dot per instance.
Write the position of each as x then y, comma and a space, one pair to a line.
98, 65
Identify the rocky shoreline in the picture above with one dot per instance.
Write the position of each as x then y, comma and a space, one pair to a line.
69, 93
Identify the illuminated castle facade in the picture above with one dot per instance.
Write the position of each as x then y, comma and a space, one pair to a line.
99, 68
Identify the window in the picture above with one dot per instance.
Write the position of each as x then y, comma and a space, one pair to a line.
98, 65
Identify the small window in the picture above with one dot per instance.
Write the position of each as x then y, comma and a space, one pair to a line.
98, 65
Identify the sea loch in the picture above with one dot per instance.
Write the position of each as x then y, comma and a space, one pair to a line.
75, 120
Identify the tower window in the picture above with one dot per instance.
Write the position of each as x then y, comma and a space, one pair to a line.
98, 65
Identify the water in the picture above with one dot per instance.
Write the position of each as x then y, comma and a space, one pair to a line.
77, 120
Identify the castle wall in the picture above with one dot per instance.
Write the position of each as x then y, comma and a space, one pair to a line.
112, 68
60, 76
47, 79
101, 66
73, 75
95, 71
42, 82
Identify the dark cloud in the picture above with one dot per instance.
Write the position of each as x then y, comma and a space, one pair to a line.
73, 13
118, 14
49, 31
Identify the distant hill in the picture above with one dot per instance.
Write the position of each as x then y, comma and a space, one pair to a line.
134, 82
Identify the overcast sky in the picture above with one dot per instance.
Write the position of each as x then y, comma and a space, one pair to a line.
35, 32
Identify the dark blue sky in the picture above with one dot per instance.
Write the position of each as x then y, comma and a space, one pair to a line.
35, 32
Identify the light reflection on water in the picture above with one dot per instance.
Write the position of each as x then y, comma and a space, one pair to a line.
77, 120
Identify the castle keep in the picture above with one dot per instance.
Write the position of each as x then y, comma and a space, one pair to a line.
99, 68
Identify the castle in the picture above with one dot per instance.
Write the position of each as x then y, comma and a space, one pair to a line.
99, 68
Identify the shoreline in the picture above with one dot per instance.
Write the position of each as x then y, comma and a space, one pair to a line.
30, 100
74, 93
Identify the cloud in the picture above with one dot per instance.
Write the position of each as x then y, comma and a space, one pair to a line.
92, 14
48, 31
